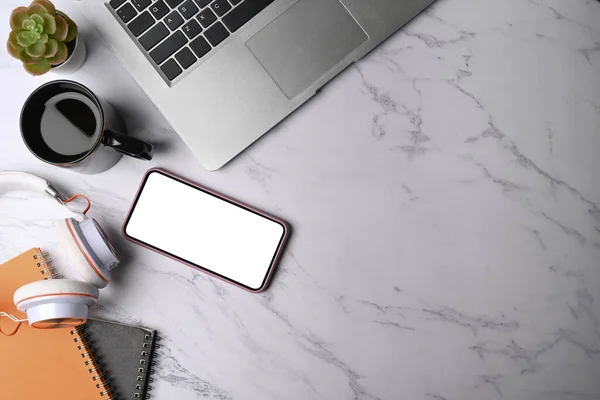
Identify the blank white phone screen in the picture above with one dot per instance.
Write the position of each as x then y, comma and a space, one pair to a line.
205, 230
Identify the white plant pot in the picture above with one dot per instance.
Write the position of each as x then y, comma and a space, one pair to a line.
75, 60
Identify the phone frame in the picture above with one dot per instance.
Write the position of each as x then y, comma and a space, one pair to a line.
276, 256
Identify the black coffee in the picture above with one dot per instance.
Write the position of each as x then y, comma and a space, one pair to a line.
62, 122
70, 124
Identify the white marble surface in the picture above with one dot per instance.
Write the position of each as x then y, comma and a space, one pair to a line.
444, 196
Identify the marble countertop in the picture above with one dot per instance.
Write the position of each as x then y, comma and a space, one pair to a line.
444, 196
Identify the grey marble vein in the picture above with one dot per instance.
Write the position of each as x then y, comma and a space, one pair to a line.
473, 323
172, 372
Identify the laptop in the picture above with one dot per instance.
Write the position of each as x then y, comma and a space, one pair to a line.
224, 72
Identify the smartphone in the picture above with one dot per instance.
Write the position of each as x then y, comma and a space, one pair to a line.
205, 230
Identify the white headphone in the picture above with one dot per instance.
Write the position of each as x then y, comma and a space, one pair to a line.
59, 303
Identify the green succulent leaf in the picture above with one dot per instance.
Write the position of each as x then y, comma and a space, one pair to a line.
28, 25
12, 40
48, 6
36, 50
72, 31
25, 39
39, 20
49, 24
33, 36
36, 8
61, 54
14, 52
43, 38
27, 59
51, 48
17, 17
39, 68
62, 29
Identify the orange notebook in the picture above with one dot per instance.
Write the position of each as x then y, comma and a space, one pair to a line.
42, 364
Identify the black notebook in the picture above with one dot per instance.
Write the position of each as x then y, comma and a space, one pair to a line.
125, 353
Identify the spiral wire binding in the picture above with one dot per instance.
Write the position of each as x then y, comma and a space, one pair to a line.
44, 262
92, 363
146, 367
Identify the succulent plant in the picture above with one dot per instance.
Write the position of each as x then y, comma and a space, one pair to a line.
39, 36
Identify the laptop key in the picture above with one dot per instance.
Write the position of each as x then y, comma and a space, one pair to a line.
141, 24
206, 17
159, 9
216, 34
200, 47
116, 3
220, 7
171, 69
188, 9
202, 3
186, 58
168, 47
235, 2
127, 13
244, 13
174, 20
141, 5
154, 36
174, 3
192, 29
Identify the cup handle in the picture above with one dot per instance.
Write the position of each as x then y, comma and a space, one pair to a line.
128, 145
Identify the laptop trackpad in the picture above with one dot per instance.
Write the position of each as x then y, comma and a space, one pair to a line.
305, 42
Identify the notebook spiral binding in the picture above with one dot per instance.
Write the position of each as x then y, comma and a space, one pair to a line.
147, 364
92, 364
44, 262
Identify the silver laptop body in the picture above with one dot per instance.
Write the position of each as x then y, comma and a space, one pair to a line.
223, 73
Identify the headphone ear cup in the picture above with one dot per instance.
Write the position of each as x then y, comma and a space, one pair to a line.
56, 303
82, 261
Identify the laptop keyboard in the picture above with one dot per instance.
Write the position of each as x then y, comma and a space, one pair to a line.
178, 33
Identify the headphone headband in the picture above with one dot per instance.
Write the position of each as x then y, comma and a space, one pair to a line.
12, 180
